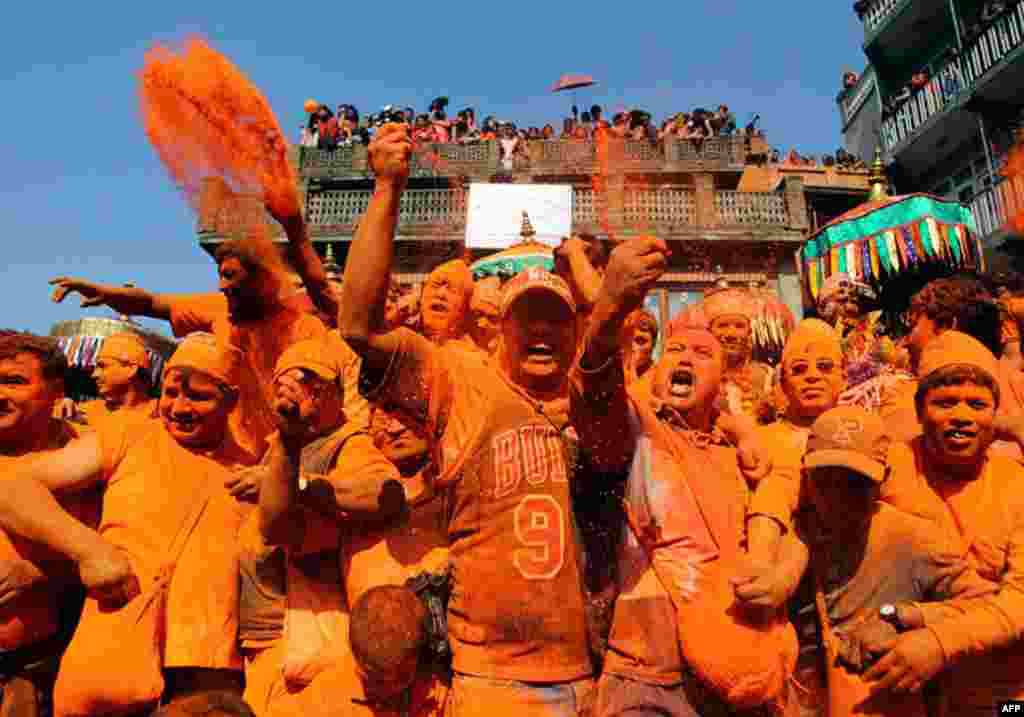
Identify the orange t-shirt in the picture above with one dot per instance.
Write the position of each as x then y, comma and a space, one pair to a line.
33, 617
262, 344
152, 485
516, 610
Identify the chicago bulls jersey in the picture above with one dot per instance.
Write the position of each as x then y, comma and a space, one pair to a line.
517, 607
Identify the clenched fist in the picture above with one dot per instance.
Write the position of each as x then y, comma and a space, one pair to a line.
634, 267
389, 154
108, 576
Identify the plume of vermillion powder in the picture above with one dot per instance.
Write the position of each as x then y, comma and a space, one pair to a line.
218, 139
609, 185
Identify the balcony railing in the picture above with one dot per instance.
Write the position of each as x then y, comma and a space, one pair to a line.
989, 210
542, 157
746, 208
957, 75
665, 209
878, 13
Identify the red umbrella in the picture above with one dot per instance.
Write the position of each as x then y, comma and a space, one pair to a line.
572, 82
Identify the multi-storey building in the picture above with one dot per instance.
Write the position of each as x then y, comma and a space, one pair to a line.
721, 215
940, 96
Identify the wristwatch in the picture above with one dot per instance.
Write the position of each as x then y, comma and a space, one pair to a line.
891, 615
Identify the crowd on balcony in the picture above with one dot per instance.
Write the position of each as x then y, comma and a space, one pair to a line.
327, 129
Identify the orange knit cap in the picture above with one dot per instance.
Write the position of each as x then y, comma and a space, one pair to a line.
955, 348
728, 302
127, 348
812, 335
310, 354
201, 352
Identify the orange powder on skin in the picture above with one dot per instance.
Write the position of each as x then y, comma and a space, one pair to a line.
218, 138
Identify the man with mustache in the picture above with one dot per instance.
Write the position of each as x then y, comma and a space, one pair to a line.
686, 503
746, 383
322, 473
248, 313
516, 619
37, 587
163, 496
949, 476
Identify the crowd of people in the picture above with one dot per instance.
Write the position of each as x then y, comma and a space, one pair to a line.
330, 130
327, 129
492, 497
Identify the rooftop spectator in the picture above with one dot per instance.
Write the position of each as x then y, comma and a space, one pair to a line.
723, 122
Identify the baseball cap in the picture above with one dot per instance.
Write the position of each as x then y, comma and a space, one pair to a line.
311, 355
536, 279
849, 437
952, 348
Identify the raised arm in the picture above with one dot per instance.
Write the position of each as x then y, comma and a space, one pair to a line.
280, 518
28, 508
282, 205
579, 272
599, 404
368, 267
124, 300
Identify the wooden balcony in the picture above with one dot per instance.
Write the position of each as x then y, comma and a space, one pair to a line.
679, 212
544, 157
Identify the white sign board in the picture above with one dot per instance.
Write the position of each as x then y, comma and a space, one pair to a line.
495, 213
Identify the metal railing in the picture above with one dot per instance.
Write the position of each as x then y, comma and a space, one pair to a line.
665, 208
878, 13
541, 156
955, 76
989, 210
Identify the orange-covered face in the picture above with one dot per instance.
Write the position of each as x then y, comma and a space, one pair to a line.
733, 333
485, 325
26, 396
195, 408
444, 304
306, 404
113, 376
689, 374
958, 423
248, 292
399, 444
539, 337
812, 381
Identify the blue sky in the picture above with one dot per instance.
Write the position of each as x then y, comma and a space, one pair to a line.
83, 194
